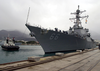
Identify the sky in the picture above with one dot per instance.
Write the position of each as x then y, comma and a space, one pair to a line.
48, 14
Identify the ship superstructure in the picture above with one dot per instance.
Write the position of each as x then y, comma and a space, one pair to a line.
77, 29
76, 38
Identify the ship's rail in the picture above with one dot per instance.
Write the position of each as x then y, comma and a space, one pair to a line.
48, 29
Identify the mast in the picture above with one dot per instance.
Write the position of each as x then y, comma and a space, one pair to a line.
27, 15
77, 18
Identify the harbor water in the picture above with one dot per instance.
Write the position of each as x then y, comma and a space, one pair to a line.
23, 53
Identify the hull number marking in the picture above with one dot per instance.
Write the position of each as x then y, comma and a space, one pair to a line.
54, 36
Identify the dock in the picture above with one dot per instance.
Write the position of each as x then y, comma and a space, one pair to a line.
87, 60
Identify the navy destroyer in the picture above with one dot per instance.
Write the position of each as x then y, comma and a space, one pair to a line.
76, 38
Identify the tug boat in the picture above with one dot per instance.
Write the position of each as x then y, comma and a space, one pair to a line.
9, 44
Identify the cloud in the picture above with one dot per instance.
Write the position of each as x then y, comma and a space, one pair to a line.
47, 13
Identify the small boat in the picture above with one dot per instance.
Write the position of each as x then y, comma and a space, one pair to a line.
9, 45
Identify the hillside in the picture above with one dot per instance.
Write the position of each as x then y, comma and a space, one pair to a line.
17, 34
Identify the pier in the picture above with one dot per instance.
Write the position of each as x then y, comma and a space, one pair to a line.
88, 60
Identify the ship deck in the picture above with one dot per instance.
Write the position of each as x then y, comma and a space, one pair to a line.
88, 60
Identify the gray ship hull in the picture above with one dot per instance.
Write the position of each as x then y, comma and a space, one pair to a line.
52, 41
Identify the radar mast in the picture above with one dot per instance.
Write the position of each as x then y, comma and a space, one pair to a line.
77, 18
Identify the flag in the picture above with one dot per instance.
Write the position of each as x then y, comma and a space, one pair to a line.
86, 21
